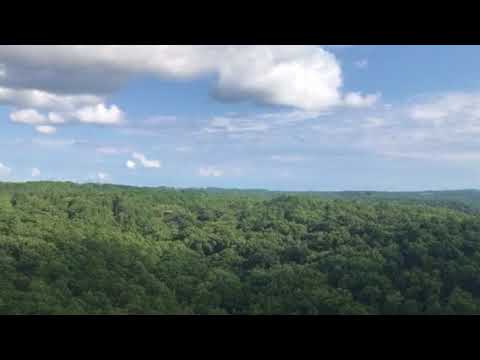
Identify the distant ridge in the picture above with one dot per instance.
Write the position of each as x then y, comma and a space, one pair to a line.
464, 200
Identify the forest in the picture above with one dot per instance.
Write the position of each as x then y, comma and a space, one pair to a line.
67, 248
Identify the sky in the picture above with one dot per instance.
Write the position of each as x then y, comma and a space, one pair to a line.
304, 118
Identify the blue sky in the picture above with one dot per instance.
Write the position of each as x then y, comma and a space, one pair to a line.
274, 117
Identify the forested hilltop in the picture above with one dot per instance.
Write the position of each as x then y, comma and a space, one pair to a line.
105, 249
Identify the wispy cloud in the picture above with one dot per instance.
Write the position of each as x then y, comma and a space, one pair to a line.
210, 171
112, 150
361, 64
287, 158
235, 125
183, 148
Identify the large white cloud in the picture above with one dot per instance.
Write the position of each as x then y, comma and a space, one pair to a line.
306, 77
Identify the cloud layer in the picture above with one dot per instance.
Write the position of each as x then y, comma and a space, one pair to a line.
65, 77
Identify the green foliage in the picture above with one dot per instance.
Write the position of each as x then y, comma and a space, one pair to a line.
104, 249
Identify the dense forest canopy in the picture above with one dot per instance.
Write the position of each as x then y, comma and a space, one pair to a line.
103, 249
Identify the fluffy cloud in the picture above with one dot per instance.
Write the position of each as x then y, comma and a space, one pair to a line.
210, 171
4, 170
28, 116
131, 164
35, 172
45, 129
305, 77
145, 162
45, 100
99, 114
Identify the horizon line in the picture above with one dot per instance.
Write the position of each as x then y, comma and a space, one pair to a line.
233, 188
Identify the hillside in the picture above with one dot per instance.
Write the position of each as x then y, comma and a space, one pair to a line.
105, 249
467, 200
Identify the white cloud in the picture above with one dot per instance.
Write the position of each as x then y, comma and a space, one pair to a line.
40, 99
427, 113
102, 176
306, 77
55, 118
46, 129
440, 127
145, 162
4, 170
131, 164
54, 143
361, 64
435, 156
458, 107
292, 116
357, 100
99, 114
209, 171
235, 125
35, 172
28, 116
373, 122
